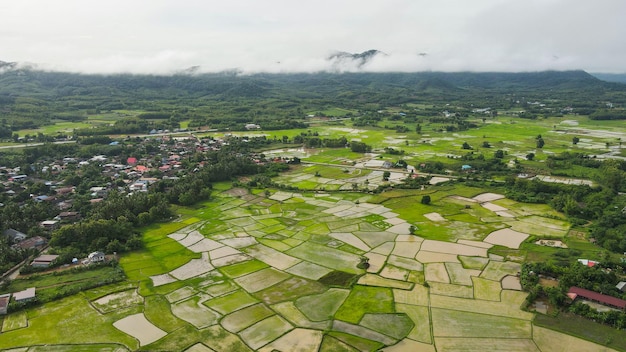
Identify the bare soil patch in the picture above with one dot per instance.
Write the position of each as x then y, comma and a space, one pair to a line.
511, 282
487, 197
140, 328
434, 217
506, 237
551, 243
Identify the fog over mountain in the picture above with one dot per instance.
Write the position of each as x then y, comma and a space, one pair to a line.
280, 36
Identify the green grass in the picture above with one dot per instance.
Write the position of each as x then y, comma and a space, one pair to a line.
330, 257
586, 329
161, 254
322, 306
451, 323
240, 269
69, 321
231, 302
14, 321
332, 112
60, 279
290, 289
359, 343
245, 317
396, 325
365, 299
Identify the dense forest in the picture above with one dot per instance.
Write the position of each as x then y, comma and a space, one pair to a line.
30, 98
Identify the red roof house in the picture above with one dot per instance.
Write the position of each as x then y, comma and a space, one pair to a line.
575, 292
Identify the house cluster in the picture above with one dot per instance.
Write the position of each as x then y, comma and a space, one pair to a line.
20, 240
156, 158
21, 296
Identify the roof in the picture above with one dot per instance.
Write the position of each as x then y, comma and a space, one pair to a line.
4, 301
588, 262
621, 285
26, 294
598, 297
32, 242
14, 234
46, 258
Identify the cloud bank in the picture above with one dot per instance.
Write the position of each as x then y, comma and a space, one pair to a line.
163, 36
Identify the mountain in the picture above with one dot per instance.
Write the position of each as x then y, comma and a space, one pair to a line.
611, 77
358, 60
16, 81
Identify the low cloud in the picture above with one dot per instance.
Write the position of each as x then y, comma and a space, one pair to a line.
163, 37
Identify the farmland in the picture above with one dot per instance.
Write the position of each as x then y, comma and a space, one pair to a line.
273, 266
244, 286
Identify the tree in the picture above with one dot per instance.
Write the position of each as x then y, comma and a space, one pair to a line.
466, 146
540, 142
499, 154
386, 175
486, 144
425, 199
575, 140
412, 229
530, 156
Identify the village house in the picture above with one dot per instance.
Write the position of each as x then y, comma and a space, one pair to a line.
26, 295
36, 242
69, 216
609, 301
44, 260
49, 225
95, 257
14, 236
4, 303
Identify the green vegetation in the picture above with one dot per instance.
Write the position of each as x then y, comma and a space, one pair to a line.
571, 324
365, 299
248, 238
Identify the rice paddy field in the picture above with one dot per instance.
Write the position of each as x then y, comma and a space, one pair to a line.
248, 271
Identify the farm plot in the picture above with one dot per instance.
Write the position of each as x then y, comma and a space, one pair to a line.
540, 226
15, 321
245, 317
271, 256
261, 279
485, 344
506, 237
231, 302
365, 299
309, 270
289, 289
330, 257
322, 306
195, 313
299, 340
459, 275
486, 289
140, 328
265, 331
117, 300
436, 272
498, 270
545, 338
453, 248
452, 323
438, 288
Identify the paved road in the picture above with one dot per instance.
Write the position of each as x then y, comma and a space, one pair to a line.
32, 144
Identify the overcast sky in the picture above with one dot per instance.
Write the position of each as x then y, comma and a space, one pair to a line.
164, 36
